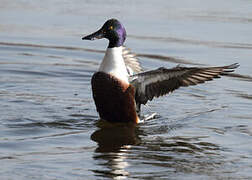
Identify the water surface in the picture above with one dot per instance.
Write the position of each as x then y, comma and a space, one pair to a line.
48, 122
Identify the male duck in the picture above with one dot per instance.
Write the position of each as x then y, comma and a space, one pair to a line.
118, 92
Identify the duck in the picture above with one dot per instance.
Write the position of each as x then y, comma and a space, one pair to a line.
120, 86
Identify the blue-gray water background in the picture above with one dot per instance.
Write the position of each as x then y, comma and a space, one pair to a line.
48, 121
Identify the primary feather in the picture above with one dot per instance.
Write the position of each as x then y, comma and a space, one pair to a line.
161, 81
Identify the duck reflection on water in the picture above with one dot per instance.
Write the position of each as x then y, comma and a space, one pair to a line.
121, 147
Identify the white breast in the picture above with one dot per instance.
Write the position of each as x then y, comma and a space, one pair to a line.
113, 63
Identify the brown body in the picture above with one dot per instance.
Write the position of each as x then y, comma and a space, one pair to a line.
114, 99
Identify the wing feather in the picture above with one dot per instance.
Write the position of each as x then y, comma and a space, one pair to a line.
162, 81
131, 61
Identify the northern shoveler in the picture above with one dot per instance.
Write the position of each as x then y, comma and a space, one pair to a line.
120, 87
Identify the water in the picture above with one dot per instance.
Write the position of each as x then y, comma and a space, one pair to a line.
48, 123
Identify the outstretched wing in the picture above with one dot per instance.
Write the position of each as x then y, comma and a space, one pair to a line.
161, 81
131, 61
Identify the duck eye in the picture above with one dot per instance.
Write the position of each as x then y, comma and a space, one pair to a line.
111, 27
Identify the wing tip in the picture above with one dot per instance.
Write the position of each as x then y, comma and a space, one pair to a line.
232, 66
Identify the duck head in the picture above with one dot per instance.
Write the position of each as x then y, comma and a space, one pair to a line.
112, 30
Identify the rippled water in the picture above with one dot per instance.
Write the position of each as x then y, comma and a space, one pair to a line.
49, 127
